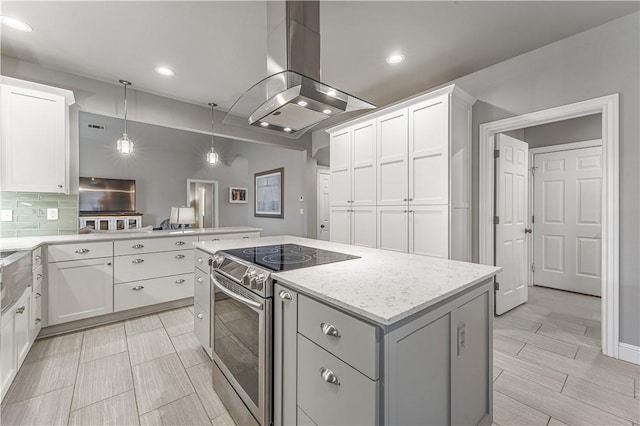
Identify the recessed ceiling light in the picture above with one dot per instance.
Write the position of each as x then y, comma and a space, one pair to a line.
396, 58
331, 93
264, 124
165, 71
16, 24
287, 129
327, 111
302, 103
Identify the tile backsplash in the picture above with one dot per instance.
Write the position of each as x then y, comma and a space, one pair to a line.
29, 211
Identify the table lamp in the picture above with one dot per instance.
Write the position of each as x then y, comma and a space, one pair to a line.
182, 216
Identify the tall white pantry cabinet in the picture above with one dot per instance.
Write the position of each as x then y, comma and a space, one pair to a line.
401, 176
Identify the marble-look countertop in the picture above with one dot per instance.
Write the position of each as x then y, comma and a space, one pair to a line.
30, 243
382, 286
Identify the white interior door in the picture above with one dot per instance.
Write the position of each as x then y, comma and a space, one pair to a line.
567, 208
324, 184
511, 208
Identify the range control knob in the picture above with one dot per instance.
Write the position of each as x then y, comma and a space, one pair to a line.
246, 279
253, 281
260, 279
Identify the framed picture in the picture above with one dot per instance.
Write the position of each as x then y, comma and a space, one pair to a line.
269, 190
237, 195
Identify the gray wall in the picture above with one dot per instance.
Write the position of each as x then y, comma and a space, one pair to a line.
165, 158
598, 62
575, 130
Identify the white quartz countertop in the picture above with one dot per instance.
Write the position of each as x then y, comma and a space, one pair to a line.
29, 243
382, 286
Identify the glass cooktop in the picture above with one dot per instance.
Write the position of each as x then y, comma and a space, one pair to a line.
285, 257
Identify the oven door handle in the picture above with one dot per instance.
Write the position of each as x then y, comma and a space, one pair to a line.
235, 296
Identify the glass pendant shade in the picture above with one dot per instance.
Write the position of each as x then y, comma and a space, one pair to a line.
212, 156
124, 145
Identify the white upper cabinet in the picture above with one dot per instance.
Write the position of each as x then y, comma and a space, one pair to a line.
340, 157
392, 158
34, 144
363, 164
429, 152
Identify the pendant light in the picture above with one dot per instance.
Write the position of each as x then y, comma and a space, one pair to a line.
212, 156
124, 144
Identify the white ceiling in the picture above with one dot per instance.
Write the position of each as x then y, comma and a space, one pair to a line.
218, 49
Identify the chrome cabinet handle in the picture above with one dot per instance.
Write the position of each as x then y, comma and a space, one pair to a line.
83, 251
405, 199
329, 376
329, 329
245, 238
20, 310
200, 316
179, 243
216, 239
38, 320
285, 295
137, 261
180, 256
180, 281
38, 276
137, 246
200, 260
37, 258
199, 279
137, 288
38, 295
410, 199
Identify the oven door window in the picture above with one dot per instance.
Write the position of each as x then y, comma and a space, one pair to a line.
237, 342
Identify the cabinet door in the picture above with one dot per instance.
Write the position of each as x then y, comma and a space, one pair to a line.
285, 328
363, 226
340, 153
340, 231
363, 164
429, 230
429, 152
34, 141
22, 325
393, 228
392, 146
80, 289
8, 364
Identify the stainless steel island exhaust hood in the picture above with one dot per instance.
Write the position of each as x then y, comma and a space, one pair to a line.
292, 99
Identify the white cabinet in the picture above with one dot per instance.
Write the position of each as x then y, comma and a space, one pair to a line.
22, 326
34, 144
80, 289
354, 225
421, 158
8, 364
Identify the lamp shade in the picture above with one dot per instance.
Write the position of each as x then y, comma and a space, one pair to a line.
182, 216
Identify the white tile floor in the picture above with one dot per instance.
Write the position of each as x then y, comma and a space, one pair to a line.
548, 370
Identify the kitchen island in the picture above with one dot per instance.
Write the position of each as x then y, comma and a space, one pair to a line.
386, 338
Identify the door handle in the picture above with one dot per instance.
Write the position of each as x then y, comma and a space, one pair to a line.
322, 226
528, 230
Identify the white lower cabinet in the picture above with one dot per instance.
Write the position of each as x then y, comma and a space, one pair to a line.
414, 229
80, 289
393, 225
22, 325
354, 225
137, 294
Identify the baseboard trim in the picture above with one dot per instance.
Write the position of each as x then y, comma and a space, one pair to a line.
629, 353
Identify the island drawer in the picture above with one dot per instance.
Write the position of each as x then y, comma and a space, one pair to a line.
201, 260
149, 292
201, 288
346, 337
218, 237
331, 392
152, 265
152, 245
79, 251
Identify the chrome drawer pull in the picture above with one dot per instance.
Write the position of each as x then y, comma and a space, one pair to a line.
199, 279
38, 276
216, 239
38, 295
137, 261
38, 320
179, 243
137, 246
83, 251
285, 295
328, 376
180, 256
137, 288
200, 316
37, 258
329, 329
200, 260
180, 281
20, 310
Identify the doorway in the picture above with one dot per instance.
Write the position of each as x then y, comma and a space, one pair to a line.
202, 195
324, 184
607, 106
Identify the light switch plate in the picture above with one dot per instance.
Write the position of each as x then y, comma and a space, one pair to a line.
52, 214
6, 215
301, 211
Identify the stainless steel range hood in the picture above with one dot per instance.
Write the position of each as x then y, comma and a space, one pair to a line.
292, 99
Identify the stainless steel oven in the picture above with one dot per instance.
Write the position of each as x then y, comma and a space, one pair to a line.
242, 338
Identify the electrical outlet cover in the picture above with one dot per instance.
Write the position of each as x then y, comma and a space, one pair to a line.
52, 214
7, 215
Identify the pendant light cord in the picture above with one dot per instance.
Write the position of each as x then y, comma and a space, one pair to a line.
212, 105
125, 109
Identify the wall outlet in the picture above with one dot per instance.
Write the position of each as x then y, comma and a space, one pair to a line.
301, 211
6, 215
52, 214
462, 339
